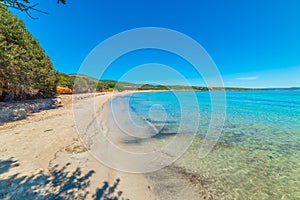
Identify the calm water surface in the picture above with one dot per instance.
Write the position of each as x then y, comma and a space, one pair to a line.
258, 153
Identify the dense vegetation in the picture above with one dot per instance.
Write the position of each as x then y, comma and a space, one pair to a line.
153, 87
82, 83
25, 71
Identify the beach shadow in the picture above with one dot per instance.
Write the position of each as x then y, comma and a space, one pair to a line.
7, 164
61, 183
107, 192
160, 135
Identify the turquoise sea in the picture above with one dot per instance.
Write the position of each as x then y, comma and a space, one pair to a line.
256, 157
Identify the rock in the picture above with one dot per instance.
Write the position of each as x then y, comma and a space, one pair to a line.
12, 111
57, 102
63, 90
19, 113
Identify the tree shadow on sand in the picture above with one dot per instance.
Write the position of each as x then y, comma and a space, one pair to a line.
60, 183
109, 192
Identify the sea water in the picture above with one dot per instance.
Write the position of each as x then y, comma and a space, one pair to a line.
257, 155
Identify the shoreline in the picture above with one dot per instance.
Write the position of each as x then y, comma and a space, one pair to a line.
46, 146
186, 185
44, 149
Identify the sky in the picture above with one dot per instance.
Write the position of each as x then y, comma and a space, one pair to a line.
253, 43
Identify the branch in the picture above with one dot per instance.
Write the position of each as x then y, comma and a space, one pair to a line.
24, 6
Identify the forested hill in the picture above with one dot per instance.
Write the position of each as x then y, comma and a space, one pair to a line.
25, 71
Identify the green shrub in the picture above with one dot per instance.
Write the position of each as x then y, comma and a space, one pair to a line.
25, 71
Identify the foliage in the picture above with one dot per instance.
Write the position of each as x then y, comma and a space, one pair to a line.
185, 87
82, 83
106, 85
66, 81
153, 87
25, 71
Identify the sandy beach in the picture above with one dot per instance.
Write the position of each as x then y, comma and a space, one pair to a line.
42, 157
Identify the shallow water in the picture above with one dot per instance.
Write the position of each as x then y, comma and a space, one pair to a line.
256, 157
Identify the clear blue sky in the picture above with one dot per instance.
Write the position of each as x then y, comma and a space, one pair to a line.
254, 43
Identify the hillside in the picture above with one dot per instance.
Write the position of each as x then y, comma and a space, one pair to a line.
79, 83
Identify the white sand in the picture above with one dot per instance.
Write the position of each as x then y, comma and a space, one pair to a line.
31, 148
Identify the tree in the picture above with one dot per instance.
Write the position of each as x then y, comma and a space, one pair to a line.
25, 6
25, 71
80, 86
66, 81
